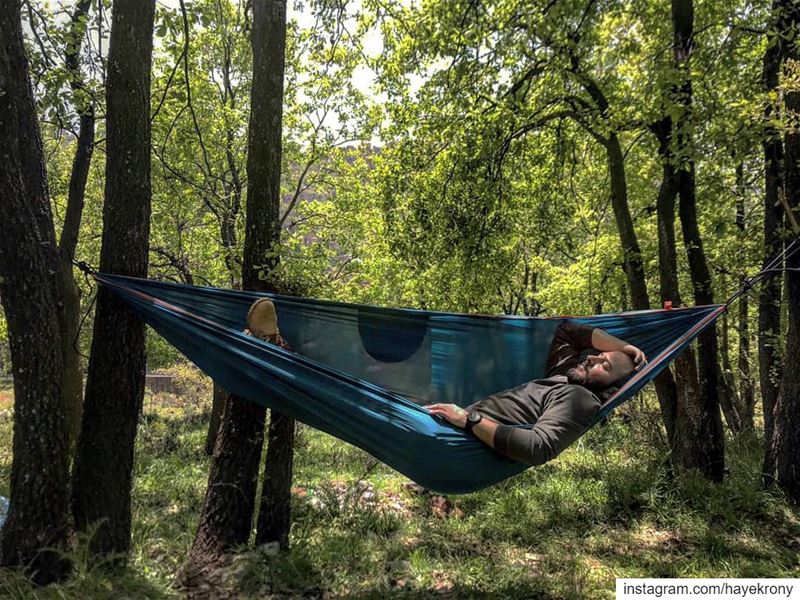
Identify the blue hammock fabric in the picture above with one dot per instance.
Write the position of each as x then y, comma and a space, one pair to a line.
361, 373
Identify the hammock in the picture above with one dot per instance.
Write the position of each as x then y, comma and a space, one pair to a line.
360, 373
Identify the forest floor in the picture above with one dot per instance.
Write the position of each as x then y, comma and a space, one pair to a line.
606, 508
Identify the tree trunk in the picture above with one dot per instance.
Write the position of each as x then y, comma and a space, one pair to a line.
725, 353
217, 406
235, 464
274, 516
684, 384
708, 456
69, 291
747, 395
786, 436
769, 300
228, 235
633, 265
228, 238
227, 516
115, 383
666, 390
263, 205
37, 524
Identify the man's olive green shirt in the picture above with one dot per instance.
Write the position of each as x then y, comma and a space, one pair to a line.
558, 412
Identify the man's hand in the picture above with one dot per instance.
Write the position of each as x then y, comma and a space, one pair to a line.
453, 413
639, 359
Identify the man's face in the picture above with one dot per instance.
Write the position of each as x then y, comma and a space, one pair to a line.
597, 372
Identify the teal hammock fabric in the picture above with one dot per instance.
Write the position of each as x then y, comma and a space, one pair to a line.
360, 373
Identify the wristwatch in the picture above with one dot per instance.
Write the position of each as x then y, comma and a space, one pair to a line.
473, 418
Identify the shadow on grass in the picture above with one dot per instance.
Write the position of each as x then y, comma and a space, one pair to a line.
95, 585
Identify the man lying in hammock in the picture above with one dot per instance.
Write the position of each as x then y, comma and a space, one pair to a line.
560, 407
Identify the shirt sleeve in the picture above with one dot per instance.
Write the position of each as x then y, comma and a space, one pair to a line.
569, 414
570, 339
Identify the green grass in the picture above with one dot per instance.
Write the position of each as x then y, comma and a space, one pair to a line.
606, 508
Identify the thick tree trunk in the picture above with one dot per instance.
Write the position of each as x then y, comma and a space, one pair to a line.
263, 212
236, 464
786, 435
769, 300
115, 383
37, 523
708, 456
69, 291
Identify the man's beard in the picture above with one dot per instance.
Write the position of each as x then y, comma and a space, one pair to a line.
579, 377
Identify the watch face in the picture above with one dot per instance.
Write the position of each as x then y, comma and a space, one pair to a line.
474, 417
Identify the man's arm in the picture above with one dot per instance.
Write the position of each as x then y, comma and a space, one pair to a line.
455, 415
569, 414
567, 417
605, 342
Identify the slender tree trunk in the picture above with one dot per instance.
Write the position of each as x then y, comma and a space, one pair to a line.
747, 396
228, 237
685, 382
274, 516
217, 406
727, 379
235, 463
37, 524
264, 195
769, 300
634, 271
633, 265
115, 383
708, 455
69, 291
725, 354
786, 435
227, 517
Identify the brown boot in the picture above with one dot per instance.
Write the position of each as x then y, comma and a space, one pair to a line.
262, 320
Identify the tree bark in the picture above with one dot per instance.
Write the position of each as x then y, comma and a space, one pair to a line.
724, 350
747, 395
274, 516
708, 454
227, 516
217, 406
235, 464
786, 435
769, 300
37, 522
263, 213
69, 291
632, 263
228, 236
115, 383
684, 383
